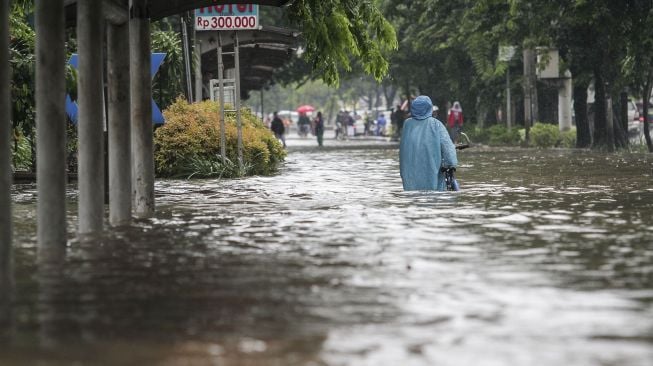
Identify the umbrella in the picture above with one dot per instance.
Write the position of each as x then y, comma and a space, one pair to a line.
305, 108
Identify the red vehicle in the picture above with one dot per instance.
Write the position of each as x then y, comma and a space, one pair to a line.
640, 109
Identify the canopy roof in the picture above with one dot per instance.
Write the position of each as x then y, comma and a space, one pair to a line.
261, 53
269, 35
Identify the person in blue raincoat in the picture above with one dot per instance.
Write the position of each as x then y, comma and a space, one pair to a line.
425, 148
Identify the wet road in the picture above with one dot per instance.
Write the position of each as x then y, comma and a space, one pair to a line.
545, 258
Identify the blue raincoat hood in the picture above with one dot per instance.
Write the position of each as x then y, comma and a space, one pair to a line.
421, 107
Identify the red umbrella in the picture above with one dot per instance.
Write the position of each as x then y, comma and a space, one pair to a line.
305, 108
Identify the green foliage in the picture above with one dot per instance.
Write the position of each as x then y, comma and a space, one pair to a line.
188, 145
22, 60
334, 31
544, 135
448, 49
168, 82
198, 166
22, 157
476, 134
499, 135
568, 138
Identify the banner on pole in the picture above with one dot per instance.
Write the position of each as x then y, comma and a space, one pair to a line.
157, 116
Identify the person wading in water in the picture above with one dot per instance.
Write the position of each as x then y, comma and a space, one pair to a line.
425, 148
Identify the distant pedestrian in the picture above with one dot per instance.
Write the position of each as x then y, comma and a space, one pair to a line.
425, 148
404, 113
455, 121
278, 128
350, 124
380, 124
368, 124
319, 128
396, 114
341, 125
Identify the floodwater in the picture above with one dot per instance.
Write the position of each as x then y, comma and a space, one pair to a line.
544, 258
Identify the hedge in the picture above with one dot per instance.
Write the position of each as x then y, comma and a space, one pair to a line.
188, 144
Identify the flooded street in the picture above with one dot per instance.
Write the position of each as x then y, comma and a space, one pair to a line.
544, 258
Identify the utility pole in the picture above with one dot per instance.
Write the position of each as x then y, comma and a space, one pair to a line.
508, 101
530, 90
186, 48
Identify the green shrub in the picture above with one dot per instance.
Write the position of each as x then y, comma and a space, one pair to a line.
22, 152
188, 144
568, 138
544, 135
477, 135
196, 166
500, 135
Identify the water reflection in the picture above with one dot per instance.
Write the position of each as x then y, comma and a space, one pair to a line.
544, 259
53, 314
6, 300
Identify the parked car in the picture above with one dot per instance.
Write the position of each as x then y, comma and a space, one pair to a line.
633, 111
636, 127
359, 127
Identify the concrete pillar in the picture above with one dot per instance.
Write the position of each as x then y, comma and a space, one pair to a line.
530, 90
90, 25
119, 125
141, 110
6, 271
50, 125
565, 94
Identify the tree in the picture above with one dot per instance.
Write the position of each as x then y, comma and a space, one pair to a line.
448, 50
638, 65
336, 30
168, 85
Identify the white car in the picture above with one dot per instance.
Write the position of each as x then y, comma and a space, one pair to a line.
359, 127
633, 112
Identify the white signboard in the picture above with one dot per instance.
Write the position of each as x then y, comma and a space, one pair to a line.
229, 91
227, 17
506, 53
551, 60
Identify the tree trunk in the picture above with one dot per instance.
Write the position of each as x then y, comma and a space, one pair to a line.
379, 92
647, 97
370, 99
583, 137
609, 117
389, 92
480, 113
600, 120
620, 135
623, 116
